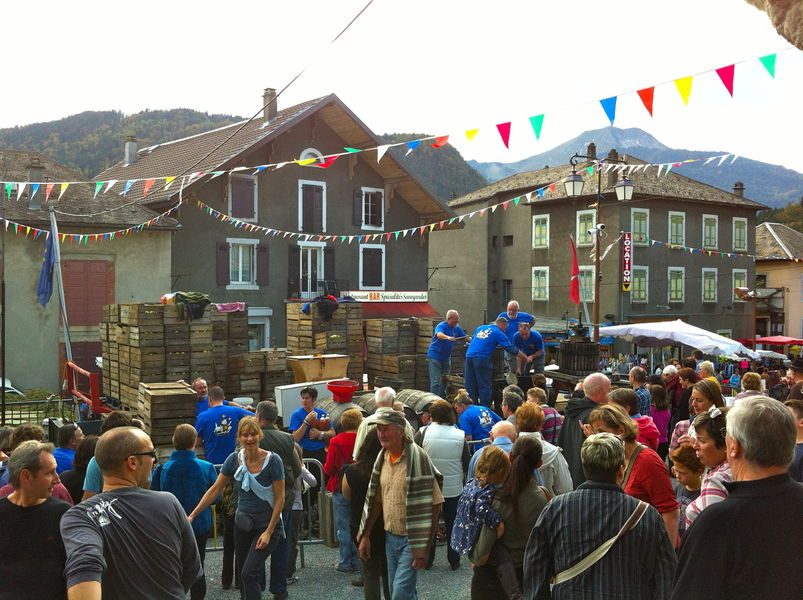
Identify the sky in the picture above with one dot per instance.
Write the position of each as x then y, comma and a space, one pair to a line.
425, 66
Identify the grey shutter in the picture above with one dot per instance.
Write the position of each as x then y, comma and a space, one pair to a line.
263, 264
293, 272
307, 205
242, 197
372, 267
223, 276
317, 209
328, 263
357, 219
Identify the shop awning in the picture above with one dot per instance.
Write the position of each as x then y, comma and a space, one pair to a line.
778, 340
398, 310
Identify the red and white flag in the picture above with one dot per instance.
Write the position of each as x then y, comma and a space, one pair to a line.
574, 282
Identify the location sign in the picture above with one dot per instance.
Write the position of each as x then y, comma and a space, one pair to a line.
627, 260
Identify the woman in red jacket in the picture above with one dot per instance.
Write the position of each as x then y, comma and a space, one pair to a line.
339, 454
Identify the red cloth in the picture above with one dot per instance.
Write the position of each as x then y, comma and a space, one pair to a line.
339, 454
673, 389
648, 433
59, 492
574, 282
649, 481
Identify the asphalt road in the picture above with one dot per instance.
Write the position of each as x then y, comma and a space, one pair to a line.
318, 579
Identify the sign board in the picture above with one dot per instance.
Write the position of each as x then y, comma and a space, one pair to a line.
406, 296
627, 261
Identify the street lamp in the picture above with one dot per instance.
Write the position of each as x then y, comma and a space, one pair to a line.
573, 184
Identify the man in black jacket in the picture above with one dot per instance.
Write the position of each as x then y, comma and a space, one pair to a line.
595, 389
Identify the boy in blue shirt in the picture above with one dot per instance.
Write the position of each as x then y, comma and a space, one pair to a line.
439, 355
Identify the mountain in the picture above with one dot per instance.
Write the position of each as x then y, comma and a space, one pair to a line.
443, 171
769, 184
91, 141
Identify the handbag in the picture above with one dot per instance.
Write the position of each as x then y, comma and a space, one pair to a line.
595, 556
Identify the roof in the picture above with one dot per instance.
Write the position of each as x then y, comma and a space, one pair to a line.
188, 155
778, 241
647, 185
78, 199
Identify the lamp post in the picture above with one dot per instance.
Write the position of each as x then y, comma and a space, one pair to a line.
573, 184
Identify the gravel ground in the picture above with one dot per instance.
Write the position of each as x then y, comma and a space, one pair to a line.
318, 579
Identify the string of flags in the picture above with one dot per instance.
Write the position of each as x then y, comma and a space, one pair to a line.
713, 253
683, 85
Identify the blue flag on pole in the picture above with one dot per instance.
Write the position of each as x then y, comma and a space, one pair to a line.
45, 287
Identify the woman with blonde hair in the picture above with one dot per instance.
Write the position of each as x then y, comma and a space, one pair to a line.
704, 394
554, 469
751, 386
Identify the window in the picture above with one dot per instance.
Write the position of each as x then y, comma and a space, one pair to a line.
709, 285
728, 333
541, 231
639, 288
243, 197
311, 153
242, 263
371, 208
739, 234
507, 288
372, 266
739, 281
494, 240
640, 225
710, 231
587, 283
676, 290
761, 280
677, 228
259, 328
311, 206
586, 221
507, 240
540, 283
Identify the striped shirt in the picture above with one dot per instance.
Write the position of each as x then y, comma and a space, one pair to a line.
644, 399
681, 429
712, 491
640, 565
552, 423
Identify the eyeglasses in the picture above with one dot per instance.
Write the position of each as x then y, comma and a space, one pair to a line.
151, 453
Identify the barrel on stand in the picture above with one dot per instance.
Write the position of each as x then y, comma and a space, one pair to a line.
578, 358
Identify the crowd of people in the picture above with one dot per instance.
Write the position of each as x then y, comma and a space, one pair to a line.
653, 490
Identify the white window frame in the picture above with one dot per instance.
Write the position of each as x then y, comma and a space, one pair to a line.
735, 221
302, 247
372, 190
734, 286
256, 195
633, 212
728, 333
236, 285
301, 184
704, 272
577, 232
716, 232
676, 213
311, 153
538, 218
585, 269
546, 284
682, 271
384, 276
646, 270
260, 315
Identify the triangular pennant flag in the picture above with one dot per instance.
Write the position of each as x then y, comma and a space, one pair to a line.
49, 190
647, 95
98, 186
590, 169
34, 189
387, 236
537, 123
471, 134
169, 181
9, 187
327, 162
305, 162
482, 212
147, 188
494, 207
412, 145
421, 229
552, 187
660, 168
128, 185
516, 200
431, 226
722, 159
109, 185
278, 166
540, 192
258, 170
504, 132
396, 235
350, 150
380, 151
506, 204
726, 75
440, 141
769, 63
609, 106
460, 218
684, 88
219, 173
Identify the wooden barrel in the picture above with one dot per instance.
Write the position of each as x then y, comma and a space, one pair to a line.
578, 358
336, 409
416, 400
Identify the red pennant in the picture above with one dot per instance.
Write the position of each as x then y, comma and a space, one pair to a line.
148, 185
48, 189
505, 204
387, 237
551, 187
327, 162
646, 96
726, 75
440, 141
504, 131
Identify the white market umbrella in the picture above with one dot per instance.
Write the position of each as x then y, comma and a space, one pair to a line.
668, 333
771, 354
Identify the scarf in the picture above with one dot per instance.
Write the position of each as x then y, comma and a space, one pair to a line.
248, 482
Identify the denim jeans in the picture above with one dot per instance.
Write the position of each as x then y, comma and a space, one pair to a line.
349, 559
478, 374
252, 561
437, 369
281, 555
401, 574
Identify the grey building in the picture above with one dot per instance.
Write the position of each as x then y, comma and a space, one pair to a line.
354, 195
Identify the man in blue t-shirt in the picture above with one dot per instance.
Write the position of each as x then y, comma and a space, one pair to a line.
310, 426
217, 427
475, 421
439, 355
514, 317
478, 370
530, 342
68, 438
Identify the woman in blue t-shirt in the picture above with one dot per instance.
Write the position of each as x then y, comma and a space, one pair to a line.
259, 478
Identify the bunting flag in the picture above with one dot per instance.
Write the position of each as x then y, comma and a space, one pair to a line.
609, 106
471, 134
98, 186
769, 63
327, 162
128, 185
537, 123
147, 188
440, 141
504, 133
34, 189
412, 146
380, 151
684, 88
64, 187
49, 190
647, 95
110, 184
726, 75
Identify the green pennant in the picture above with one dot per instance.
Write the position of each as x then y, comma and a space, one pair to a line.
590, 169
98, 186
342, 238
9, 186
347, 149
537, 122
396, 234
516, 200
769, 63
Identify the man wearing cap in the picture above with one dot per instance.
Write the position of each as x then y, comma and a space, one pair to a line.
796, 393
404, 490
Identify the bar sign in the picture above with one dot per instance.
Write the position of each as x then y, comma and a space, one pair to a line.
627, 260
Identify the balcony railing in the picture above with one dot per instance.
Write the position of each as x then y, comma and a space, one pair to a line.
325, 286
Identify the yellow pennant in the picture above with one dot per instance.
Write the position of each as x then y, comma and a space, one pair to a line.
169, 181
306, 161
471, 134
684, 88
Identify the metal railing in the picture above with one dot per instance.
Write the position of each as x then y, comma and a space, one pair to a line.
35, 411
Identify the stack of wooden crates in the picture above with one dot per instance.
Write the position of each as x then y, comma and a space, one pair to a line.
397, 349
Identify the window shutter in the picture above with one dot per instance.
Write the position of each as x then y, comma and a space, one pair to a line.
263, 264
293, 272
317, 214
306, 207
242, 197
357, 208
380, 213
372, 267
223, 263
328, 263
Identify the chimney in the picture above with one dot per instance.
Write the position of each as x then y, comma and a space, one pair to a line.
613, 174
131, 147
591, 152
35, 175
738, 189
269, 109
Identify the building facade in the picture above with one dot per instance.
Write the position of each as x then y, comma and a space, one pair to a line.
779, 280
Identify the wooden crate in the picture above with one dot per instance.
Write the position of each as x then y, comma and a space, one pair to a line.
146, 375
177, 357
246, 363
164, 406
141, 314
122, 334
175, 373
170, 315
147, 357
176, 335
381, 327
200, 334
201, 358
382, 345
275, 361
421, 372
147, 336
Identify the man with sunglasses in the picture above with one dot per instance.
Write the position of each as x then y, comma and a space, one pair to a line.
128, 542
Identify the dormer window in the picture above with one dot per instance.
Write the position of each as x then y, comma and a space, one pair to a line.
311, 153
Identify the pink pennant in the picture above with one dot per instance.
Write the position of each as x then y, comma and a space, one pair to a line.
48, 189
387, 237
440, 141
504, 131
505, 204
148, 185
726, 75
